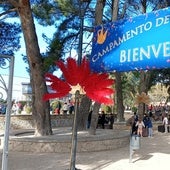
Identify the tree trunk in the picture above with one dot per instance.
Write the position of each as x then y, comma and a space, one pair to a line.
142, 84
94, 118
98, 20
119, 98
118, 83
143, 87
83, 113
99, 11
40, 109
86, 102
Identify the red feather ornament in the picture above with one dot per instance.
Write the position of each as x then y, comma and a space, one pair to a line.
60, 88
96, 86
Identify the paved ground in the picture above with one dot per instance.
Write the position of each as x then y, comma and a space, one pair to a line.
154, 154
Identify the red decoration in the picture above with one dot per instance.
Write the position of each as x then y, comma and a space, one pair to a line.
96, 86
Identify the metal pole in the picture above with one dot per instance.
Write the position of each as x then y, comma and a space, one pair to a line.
77, 94
74, 134
7, 115
81, 32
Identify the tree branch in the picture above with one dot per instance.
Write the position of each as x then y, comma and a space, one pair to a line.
7, 12
15, 3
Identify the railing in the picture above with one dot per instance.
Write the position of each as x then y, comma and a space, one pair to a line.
4, 61
4, 67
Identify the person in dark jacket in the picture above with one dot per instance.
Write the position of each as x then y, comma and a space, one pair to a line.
133, 123
145, 121
103, 117
111, 120
149, 126
89, 119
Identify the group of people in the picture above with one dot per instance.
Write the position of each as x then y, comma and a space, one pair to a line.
158, 111
103, 119
65, 108
142, 126
17, 107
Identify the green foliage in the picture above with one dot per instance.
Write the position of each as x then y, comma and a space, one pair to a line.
9, 31
134, 109
28, 109
130, 84
142, 6
54, 54
107, 109
9, 37
62, 13
67, 7
55, 104
45, 12
160, 76
2, 101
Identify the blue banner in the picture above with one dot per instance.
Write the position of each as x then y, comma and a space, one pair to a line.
139, 43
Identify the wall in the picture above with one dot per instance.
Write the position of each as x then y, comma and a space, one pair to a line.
26, 121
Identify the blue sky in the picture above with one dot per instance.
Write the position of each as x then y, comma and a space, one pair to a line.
20, 66
19, 69
20, 73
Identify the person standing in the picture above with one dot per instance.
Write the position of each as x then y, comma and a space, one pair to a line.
140, 126
58, 108
134, 120
145, 121
65, 108
103, 119
89, 119
149, 125
135, 117
71, 107
165, 123
111, 120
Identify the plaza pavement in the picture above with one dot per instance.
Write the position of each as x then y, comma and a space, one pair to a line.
154, 154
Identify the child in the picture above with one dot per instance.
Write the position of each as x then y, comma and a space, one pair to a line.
140, 126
